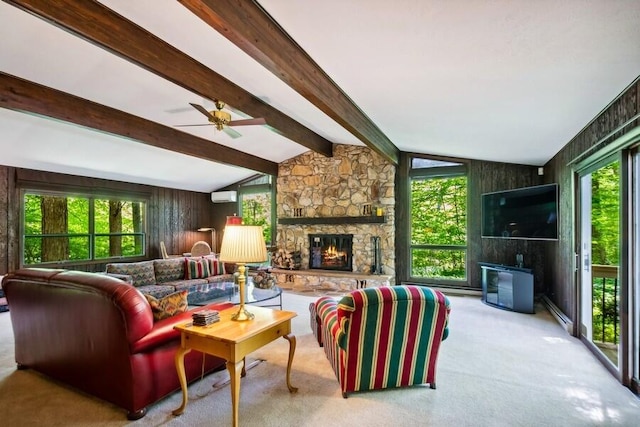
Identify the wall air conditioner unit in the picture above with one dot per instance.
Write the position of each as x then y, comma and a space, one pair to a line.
224, 196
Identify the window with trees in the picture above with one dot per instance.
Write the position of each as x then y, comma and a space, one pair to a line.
256, 207
74, 228
438, 220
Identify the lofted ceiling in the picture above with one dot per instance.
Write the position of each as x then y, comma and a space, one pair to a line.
97, 88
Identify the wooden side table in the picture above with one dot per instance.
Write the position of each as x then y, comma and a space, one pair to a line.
232, 341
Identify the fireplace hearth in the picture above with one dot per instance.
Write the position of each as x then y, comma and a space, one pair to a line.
331, 252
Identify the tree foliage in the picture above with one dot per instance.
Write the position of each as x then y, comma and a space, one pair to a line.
605, 250
256, 210
439, 227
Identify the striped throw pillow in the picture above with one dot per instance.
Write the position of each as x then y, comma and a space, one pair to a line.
217, 267
196, 268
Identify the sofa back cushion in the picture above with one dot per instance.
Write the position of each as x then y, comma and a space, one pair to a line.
142, 272
168, 270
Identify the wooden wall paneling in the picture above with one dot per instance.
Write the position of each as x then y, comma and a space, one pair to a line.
560, 261
186, 216
154, 225
4, 219
402, 231
486, 177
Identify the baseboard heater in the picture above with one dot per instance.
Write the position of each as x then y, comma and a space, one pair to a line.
560, 317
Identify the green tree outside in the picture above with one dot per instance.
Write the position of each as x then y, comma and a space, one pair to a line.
439, 227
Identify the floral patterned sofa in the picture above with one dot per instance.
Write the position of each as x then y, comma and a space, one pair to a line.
203, 277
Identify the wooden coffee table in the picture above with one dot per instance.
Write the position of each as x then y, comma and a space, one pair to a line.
232, 341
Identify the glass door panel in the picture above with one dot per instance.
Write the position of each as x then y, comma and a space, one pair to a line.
600, 243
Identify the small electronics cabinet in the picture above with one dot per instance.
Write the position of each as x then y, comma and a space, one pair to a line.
510, 288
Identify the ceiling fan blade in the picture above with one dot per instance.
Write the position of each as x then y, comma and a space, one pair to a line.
202, 110
202, 124
256, 121
178, 110
232, 133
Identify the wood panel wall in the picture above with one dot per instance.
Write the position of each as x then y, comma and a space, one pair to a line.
173, 216
600, 132
487, 177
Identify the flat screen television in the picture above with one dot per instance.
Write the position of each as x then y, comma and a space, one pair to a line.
522, 213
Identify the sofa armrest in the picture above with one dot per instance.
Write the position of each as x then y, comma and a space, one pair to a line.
163, 332
332, 324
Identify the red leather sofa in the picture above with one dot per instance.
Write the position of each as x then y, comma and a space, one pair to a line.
97, 334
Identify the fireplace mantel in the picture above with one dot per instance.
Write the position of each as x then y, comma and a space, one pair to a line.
369, 219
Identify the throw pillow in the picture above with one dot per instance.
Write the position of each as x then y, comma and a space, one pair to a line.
196, 268
216, 267
168, 306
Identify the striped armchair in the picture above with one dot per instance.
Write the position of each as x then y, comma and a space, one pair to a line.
384, 337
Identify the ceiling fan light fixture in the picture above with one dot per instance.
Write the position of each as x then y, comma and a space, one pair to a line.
219, 118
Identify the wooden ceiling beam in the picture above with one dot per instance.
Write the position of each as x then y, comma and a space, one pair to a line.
100, 25
252, 29
25, 96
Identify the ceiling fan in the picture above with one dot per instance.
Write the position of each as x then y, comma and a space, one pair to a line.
222, 120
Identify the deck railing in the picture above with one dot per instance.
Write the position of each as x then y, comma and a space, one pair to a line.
605, 297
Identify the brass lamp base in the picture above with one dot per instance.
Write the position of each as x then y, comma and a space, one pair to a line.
242, 315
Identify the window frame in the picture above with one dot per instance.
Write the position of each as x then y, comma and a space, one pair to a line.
92, 234
248, 188
449, 169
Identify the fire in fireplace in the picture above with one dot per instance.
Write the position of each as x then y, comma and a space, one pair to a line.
331, 251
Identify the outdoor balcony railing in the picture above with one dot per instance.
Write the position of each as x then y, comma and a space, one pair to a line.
605, 296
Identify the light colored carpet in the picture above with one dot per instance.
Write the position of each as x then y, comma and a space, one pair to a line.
497, 368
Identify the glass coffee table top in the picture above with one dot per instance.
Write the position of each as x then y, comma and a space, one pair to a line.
252, 295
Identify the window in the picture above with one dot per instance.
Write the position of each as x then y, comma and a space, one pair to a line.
438, 220
256, 207
63, 228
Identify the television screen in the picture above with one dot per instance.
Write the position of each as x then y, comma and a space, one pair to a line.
523, 213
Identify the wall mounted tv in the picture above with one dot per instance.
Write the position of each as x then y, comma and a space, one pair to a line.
522, 213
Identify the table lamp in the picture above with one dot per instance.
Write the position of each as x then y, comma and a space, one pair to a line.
242, 244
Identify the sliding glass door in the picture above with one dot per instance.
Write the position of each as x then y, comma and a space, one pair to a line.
600, 240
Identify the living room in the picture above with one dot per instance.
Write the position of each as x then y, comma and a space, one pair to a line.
370, 173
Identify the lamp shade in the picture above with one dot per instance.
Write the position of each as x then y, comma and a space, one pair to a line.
243, 244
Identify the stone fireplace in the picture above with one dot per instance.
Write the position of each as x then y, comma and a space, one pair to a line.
330, 251
351, 193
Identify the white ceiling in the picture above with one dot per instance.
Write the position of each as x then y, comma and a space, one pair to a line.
502, 80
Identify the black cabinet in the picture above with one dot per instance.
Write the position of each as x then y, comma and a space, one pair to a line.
507, 287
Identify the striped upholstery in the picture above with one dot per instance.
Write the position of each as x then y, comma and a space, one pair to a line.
315, 323
384, 337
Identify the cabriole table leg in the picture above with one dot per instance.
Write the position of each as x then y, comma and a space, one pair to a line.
179, 360
292, 350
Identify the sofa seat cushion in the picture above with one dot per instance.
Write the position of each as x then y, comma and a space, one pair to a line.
168, 270
157, 291
169, 305
142, 272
